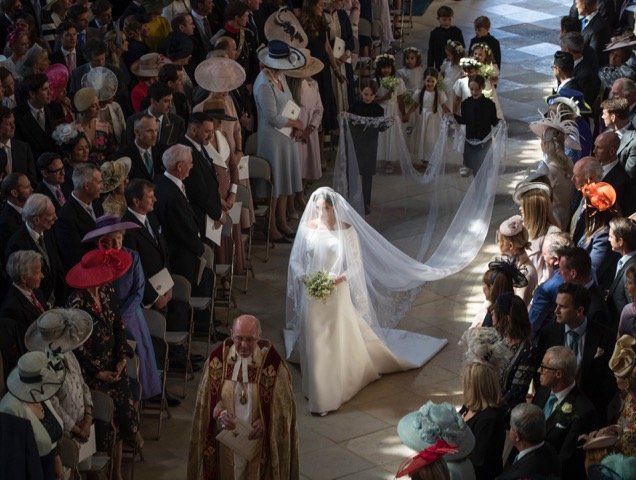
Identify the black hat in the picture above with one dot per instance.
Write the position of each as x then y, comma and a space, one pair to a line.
178, 46
508, 267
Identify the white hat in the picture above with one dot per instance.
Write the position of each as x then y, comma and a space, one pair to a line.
62, 329
280, 56
36, 378
219, 74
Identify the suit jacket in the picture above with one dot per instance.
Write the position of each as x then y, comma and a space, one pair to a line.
543, 461
27, 129
155, 250
595, 379
544, 302
22, 160
179, 225
199, 52
72, 224
202, 187
19, 456
586, 76
597, 34
52, 268
10, 222
563, 430
172, 129
626, 153
20, 309
621, 182
603, 258
617, 296
598, 311
58, 57
44, 190
75, 82
138, 167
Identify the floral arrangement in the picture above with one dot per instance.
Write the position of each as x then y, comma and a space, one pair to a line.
64, 133
564, 414
483, 46
471, 62
456, 46
319, 285
389, 83
487, 70
410, 98
384, 56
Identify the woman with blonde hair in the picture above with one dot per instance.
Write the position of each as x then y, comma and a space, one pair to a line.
116, 46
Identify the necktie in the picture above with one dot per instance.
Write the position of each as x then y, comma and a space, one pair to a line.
573, 342
70, 61
81, 40
149, 228
204, 152
584, 22
42, 248
39, 116
183, 190
549, 405
4, 160
91, 212
148, 162
158, 129
207, 29
36, 303
60, 196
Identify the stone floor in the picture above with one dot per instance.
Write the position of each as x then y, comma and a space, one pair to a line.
359, 441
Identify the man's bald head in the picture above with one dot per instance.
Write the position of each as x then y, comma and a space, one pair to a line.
587, 169
605, 147
246, 332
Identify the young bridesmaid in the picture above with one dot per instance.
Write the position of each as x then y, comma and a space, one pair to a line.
450, 69
412, 73
488, 69
432, 106
391, 97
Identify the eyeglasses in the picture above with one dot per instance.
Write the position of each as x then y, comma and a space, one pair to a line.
59, 170
544, 367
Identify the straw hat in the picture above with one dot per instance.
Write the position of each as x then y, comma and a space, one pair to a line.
528, 185
62, 329
114, 173
556, 121
280, 56
283, 25
421, 429
219, 74
98, 267
106, 224
621, 41
58, 79
599, 195
147, 66
85, 98
36, 378
311, 68
103, 80
623, 359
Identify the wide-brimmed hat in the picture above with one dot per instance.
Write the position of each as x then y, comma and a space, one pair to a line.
219, 74
311, 68
106, 224
114, 173
576, 98
178, 46
58, 75
599, 195
621, 41
147, 66
555, 120
433, 421
37, 377
527, 185
283, 25
85, 98
605, 437
623, 359
103, 80
427, 456
280, 56
98, 267
59, 329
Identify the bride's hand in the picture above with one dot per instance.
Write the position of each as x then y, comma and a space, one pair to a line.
338, 280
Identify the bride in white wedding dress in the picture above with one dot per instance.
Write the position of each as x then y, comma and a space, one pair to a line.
344, 341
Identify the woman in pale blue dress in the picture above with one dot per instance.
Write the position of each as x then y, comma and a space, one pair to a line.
272, 95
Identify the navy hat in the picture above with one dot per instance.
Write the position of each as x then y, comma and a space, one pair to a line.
573, 99
178, 46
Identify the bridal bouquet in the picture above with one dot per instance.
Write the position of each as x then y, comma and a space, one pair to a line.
389, 83
319, 285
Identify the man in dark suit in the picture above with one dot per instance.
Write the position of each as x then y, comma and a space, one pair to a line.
585, 74
95, 54
591, 342
622, 236
616, 118
34, 119
202, 185
52, 171
10, 9
16, 153
144, 154
15, 188
567, 411
587, 169
171, 127
605, 148
626, 88
594, 28
77, 216
527, 434
102, 16
563, 69
203, 31
67, 52
36, 234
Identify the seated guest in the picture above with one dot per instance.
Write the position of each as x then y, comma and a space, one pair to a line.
627, 323
600, 198
143, 151
35, 234
52, 171
62, 331
484, 409
586, 170
103, 356
605, 147
622, 364
590, 341
31, 385
567, 411
622, 236
16, 152
15, 189
527, 434
77, 216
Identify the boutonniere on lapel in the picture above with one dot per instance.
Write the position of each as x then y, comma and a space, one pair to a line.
564, 415
599, 353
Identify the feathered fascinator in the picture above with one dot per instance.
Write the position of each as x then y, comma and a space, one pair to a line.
599, 195
624, 357
427, 456
484, 346
508, 266
555, 120
65, 133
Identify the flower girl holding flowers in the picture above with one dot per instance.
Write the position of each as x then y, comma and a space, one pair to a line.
450, 69
412, 73
432, 106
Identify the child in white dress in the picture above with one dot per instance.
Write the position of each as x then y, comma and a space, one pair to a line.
412, 73
450, 69
488, 69
391, 97
432, 107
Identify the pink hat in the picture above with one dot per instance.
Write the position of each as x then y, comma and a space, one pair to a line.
58, 79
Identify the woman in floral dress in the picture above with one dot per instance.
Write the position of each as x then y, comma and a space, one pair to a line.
98, 133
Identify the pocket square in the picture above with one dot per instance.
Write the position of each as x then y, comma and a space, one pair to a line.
563, 427
599, 352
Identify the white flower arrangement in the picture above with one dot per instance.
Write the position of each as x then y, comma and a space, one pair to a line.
389, 83
384, 56
319, 285
413, 50
455, 45
566, 408
469, 62
64, 133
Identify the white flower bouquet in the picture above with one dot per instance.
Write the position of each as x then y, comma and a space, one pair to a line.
319, 285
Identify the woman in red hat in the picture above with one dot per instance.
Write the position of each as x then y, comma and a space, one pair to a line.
103, 356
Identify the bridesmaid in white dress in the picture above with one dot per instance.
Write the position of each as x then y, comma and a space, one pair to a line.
342, 345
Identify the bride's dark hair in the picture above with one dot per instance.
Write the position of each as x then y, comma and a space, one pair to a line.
326, 196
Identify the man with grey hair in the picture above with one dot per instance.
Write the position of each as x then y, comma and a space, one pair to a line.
567, 411
626, 88
15, 189
587, 169
35, 234
527, 435
78, 215
551, 244
144, 153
